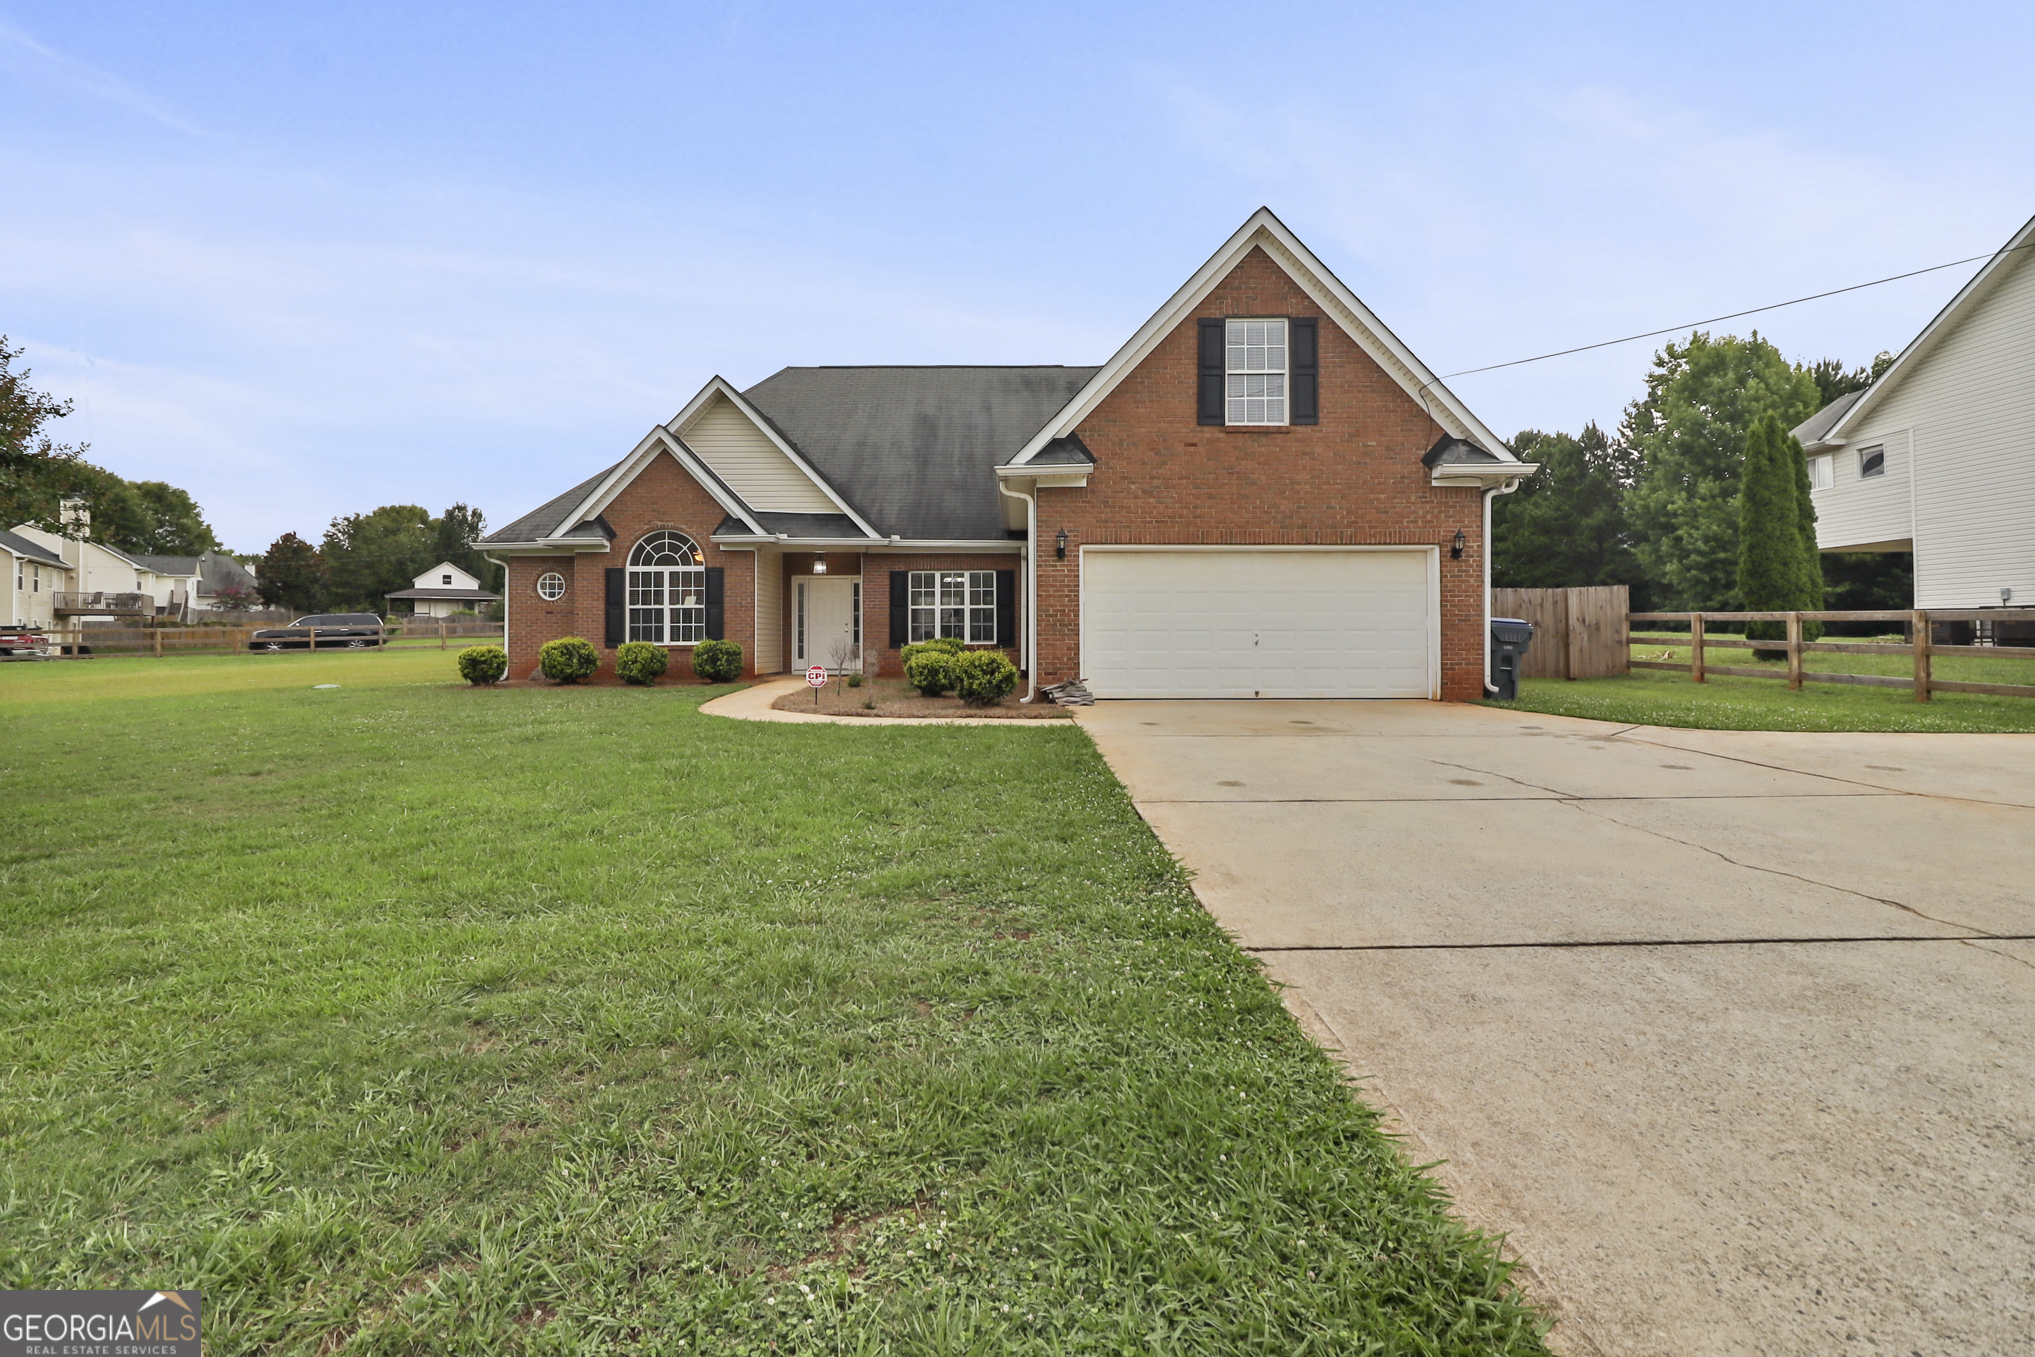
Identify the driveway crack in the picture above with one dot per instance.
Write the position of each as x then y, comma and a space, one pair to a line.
1775, 871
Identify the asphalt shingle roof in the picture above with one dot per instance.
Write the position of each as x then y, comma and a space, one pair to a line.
915, 449
34, 552
1818, 424
546, 520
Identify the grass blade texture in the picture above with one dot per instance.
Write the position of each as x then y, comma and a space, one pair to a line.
407, 1018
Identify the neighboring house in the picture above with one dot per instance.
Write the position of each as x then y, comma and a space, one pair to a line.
110, 584
443, 590
1937, 457
217, 571
1262, 493
35, 576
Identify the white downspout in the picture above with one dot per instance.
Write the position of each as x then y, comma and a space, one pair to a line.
1490, 492
505, 603
1028, 634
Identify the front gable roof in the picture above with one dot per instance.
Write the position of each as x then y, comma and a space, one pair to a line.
21, 546
1265, 231
764, 468
916, 448
1828, 427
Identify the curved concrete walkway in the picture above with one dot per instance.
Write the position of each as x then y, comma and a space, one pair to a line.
754, 704
1729, 1032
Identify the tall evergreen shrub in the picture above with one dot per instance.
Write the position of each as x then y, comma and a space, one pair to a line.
1769, 529
1810, 594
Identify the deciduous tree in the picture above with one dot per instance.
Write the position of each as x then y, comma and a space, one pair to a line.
1688, 432
1565, 526
293, 575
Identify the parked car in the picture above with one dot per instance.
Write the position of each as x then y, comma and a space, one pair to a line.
336, 631
22, 643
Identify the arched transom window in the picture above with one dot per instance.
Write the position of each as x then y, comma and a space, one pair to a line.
667, 590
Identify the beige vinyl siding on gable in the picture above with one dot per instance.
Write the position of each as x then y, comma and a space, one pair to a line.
1971, 406
743, 456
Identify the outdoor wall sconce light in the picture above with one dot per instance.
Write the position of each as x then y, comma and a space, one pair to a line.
2006, 595
1060, 544
1456, 547
820, 563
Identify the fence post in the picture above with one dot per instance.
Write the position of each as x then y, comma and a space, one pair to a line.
1921, 642
1695, 647
157, 634
1794, 650
441, 633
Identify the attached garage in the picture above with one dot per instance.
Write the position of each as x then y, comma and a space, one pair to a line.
1217, 622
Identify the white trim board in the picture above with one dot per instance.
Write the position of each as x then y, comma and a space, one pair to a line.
1328, 292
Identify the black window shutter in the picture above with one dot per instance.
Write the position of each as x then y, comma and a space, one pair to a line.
618, 616
900, 606
1303, 353
1006, 608
717, 628
1213, 358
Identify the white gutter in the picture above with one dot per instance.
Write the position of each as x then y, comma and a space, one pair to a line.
1028, 635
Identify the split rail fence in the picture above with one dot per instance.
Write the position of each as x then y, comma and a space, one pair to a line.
162, 642
1920, 646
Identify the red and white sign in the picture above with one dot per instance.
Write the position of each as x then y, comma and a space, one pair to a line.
817, 676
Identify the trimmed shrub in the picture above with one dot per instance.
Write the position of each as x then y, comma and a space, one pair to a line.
640, 662
932, 672
983, 678
717, 661
567, 659
854, 680
483, 664
942, 645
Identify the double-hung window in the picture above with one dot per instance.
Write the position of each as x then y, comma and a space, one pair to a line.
1255, 371
667, 591
956, 603
1821, 476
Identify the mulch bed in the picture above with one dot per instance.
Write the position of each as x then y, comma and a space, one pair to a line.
890, 697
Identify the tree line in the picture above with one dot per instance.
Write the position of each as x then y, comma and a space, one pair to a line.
359, 561
1700, 498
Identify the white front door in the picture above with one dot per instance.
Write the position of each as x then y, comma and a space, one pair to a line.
827, 624
1260, 622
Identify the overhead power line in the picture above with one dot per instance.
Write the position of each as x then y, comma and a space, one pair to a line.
1775, 306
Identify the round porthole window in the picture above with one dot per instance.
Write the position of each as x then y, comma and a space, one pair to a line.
551, 585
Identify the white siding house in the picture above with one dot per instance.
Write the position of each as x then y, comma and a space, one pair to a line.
443, 590
35, 576
109, 584
1937, 457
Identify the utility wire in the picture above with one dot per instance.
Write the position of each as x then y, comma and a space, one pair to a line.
1677, 329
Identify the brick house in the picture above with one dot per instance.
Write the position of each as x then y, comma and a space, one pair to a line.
1262, 493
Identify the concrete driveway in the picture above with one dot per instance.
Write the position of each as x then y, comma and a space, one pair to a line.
1732, 1033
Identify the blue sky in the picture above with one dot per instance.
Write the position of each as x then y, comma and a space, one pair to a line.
306, 260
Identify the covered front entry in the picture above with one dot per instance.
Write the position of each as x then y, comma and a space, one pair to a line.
1260, 621
827, 623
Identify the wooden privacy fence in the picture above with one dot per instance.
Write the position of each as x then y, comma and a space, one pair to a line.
1919, 646
1577, 633
165, 641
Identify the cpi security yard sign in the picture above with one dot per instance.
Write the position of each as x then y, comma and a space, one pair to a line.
99, 1323
817, 677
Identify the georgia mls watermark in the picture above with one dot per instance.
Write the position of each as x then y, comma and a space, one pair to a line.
99, 1324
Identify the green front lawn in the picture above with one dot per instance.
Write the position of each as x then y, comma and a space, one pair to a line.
1653, 697
400, 1017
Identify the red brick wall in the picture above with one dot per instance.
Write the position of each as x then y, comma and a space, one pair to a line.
663, 496
879, 657
1353, 479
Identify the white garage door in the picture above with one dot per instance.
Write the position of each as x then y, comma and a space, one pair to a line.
1245, 622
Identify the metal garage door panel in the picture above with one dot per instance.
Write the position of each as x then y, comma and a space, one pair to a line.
1240, 623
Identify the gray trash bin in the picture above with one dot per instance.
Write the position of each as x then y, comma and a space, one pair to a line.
1510, 637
